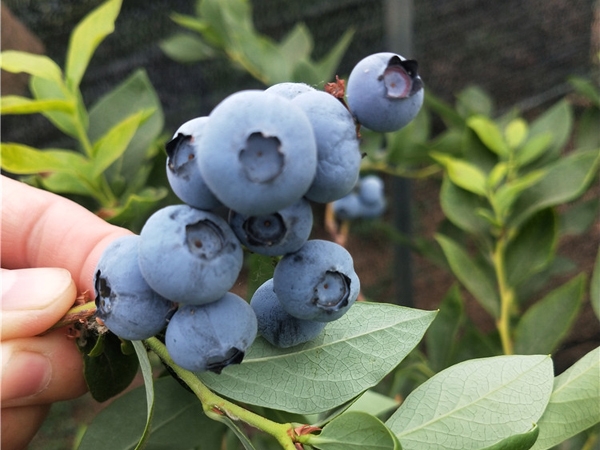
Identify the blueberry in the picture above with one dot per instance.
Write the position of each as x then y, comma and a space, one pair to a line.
348, 207
124, 301
274, 234
189, 255
370, 189
258, 153
385, 91
338, 154
275, 324
212, 336
317, 282
289, 90
182, 169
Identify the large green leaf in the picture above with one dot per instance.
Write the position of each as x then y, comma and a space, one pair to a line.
532, 248
86, 37
44, 89
477, 281
523, 441
575, 402
460, 207
22, 160
565, 180
475, 404
548, 321
133, 95
490, 134
355, 430
178, 422
557, 120
351, 355
186, 48
13, 104
146, 369
37, 65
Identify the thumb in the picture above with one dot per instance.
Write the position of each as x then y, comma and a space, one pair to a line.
34, 299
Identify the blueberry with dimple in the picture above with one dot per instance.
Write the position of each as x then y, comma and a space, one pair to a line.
124, 301
189, 255
338, 154
318, 282
212, 336
182, 170
258, 152
384, 91
276, 325
289, 90
275, 234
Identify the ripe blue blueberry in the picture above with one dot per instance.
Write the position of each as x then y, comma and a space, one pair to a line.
338, 155
348, 207
276, 325
124, 301
385, 91
189, 255
212, 336
372, 197
182, 170
274, 234
258, 152
318, 282
289, 90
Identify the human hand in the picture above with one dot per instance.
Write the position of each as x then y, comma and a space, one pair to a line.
51, 246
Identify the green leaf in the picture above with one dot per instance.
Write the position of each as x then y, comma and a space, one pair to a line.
557, 120
523, 441
477, 281
475, 403
463, 173
133, 95
451, 118
460, 206
327, 65
66, 183
373, 403
565, 180
314, 377
532, 248
37, 65
13, 104
178, 422
146, 369
44, 89
186, 48
86, 37
442, 336
136, 208
113, 144
533, 148
490, 134
515, 132
586, 88
474, 100
507, 194
579, 217
548, 321
575, 402
354, 430
237, 430
595, 286
22, 159
260, 268
587, 137
297, 44
111, 372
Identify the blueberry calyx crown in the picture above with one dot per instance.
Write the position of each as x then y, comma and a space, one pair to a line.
174, 147
217, 363
401, 78
265, 230
261, 159
332, 291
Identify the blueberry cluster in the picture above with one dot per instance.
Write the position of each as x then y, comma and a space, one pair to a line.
366, 201
246, 175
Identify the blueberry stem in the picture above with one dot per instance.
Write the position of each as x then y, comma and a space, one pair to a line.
218, 408
79, 313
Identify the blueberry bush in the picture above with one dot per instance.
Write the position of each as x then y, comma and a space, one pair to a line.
305, 361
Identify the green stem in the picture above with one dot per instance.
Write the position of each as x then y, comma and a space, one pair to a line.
400, 171
507, 296
215, 406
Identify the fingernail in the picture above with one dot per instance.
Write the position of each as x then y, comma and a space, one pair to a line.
25, 374
31, 289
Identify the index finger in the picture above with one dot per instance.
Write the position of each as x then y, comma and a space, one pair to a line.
41, 229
